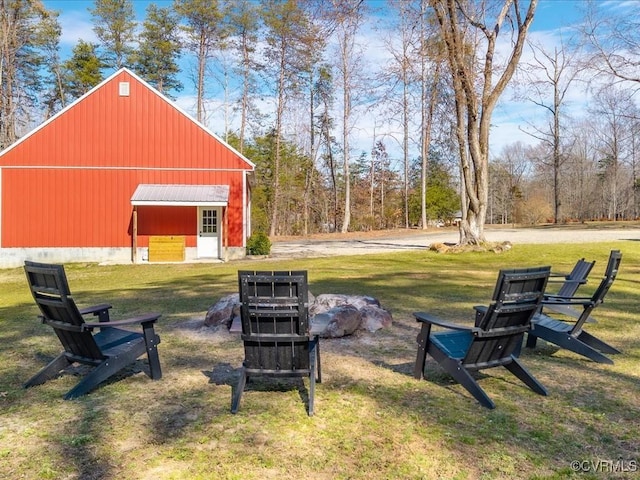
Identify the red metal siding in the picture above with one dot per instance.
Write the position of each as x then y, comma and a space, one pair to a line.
92, 208
167, 220
142, 130
76, 174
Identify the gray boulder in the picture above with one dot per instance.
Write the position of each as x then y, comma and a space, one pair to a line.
337, 314
327, 301
340, 321
374, 318
222, 312
344, 314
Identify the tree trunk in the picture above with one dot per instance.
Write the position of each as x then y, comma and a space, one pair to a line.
476, 94
245, 90
346, 117
278, 130
202, 64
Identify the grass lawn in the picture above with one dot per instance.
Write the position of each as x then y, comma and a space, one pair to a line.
373, 419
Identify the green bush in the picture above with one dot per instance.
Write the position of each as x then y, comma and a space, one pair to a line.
258, 244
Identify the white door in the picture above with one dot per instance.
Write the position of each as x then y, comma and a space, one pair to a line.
208, 232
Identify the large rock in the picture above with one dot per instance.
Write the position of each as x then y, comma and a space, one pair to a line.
222, 312
341, 320
344, 314
339, 314
374, 318
327, 301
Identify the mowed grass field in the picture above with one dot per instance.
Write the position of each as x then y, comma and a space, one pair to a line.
373, 419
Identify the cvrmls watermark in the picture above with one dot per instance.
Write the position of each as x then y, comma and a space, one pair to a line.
605, 466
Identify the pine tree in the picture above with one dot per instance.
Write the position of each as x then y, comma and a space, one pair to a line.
243, 26
156, 58
83, 70
291, 44
205, 31
115, 27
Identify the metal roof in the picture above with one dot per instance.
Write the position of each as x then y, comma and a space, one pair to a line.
181, 195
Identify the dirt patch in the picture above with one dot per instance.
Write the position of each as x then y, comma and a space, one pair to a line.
369, 235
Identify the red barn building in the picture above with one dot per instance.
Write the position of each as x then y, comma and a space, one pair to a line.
122, 175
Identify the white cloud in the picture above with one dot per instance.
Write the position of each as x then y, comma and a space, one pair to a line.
76, 25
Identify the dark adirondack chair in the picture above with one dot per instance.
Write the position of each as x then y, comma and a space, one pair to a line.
495, 339
558, 302
275, 330
572, 281
102, 344
571, 334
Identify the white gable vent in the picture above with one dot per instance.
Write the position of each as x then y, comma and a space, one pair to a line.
124, 89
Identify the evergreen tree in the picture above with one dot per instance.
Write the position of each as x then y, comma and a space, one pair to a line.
156, 58
205, 31
83, 70
244, 23
442, 200
49, 37
115, 27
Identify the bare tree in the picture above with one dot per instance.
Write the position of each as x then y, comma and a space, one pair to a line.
431, 60
321, 124
349, 17
550, 76
28, 31
462, 23
403, 78
614, 120
613, 40
580, 171
508, 175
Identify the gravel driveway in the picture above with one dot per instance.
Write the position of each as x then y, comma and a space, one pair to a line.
418, 240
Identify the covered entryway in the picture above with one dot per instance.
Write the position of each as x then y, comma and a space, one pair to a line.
209, 203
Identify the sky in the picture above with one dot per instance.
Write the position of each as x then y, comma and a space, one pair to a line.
553, 20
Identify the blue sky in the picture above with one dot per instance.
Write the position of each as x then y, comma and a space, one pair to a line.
76, 20
553, 20
554, 14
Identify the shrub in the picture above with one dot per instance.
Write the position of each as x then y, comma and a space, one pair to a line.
258, 244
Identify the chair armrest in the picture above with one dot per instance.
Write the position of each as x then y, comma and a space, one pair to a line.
557, 277
143, 319
101, 311
426, 318
567, 281
94, 308
558, 300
